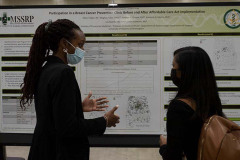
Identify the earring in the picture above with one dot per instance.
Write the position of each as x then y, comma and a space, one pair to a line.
65, 50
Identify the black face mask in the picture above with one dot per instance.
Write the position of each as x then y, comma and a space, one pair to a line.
174, 78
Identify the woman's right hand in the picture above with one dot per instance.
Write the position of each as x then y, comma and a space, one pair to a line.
162, 140
111, 118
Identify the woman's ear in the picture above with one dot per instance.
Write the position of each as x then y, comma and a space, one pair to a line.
63, 43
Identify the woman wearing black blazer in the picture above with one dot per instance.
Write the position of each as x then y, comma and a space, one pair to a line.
61, 132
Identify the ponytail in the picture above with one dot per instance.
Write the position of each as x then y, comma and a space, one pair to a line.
46, 38
38, 51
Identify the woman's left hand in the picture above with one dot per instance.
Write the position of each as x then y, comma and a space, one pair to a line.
162, 140
90, 105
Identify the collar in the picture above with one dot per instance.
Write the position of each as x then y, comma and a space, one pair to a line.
54, 59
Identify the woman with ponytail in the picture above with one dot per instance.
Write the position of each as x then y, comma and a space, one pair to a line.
61, 131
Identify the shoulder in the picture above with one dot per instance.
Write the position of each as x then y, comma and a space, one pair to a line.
179, 111
66, 73
58, 69
180, 105
57, 74
63, 78
56, 66
189, 101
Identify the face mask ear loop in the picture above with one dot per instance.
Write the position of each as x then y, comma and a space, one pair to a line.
70, 44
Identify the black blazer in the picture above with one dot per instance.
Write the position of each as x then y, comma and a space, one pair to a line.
61, 130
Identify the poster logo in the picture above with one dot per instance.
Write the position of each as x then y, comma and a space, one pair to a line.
232, 18
16, 21
4, 18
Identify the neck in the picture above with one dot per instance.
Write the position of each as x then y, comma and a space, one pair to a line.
62, 56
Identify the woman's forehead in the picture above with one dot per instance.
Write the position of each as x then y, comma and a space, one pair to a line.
174, 59
79, 35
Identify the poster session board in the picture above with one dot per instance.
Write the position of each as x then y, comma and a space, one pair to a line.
129, 57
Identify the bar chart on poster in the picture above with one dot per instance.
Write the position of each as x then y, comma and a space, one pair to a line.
129, 53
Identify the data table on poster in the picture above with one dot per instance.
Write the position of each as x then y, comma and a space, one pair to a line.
120, 53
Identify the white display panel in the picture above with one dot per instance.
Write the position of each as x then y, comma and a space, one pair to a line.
128, 60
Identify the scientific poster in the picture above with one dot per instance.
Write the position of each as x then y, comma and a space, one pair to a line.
128, 59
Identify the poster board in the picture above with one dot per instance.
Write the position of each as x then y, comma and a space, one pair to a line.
129, 56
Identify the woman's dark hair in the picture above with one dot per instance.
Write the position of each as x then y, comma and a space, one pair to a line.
46, 38
198, 81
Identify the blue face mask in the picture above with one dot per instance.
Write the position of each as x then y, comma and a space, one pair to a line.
76, 57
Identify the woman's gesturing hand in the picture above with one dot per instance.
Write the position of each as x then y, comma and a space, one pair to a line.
111, 118
98, 104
